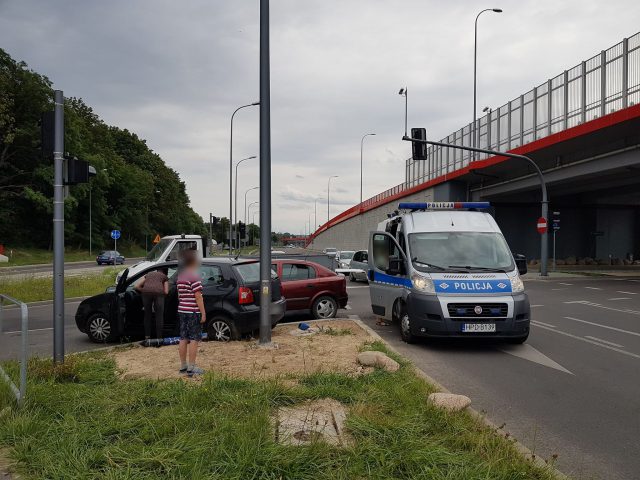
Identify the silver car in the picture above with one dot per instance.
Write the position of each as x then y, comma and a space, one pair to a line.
359, 266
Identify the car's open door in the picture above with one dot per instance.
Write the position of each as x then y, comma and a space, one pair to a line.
387, 274
119, 306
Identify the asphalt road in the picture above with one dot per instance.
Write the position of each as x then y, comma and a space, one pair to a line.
571, 390
70, 268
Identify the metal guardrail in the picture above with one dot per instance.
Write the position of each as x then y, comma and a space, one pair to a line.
24, 320
605, 83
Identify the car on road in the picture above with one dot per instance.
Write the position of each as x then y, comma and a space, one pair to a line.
231, 298
343, 257
330, 251
110, 257
359, 266
312, 287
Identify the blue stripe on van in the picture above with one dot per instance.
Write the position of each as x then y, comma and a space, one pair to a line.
391, 280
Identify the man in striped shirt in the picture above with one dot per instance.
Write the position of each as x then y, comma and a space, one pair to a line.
191, 312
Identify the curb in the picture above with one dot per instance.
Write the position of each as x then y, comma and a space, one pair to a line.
523, 450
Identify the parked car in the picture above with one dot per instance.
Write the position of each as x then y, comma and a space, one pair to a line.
110, 257
231, 292
310, 286
343, 257
330, 251
359, 266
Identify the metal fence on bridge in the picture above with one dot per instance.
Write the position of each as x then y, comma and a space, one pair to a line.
603, 84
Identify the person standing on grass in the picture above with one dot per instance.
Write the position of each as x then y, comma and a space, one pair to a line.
153, 287
191, 312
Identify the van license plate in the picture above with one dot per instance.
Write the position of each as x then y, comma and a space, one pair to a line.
478, 327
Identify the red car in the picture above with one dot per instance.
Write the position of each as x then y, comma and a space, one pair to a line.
309, 286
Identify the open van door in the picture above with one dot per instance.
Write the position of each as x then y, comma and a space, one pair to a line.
388, 273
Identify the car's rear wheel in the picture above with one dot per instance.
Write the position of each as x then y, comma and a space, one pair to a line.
222, 329
100, 328
324, 307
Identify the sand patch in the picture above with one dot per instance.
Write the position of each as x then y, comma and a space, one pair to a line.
294, 355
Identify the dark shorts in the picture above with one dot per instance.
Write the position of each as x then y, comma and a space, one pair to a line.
190, 327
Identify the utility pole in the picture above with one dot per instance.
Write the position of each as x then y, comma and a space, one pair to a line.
265, 177
58, 227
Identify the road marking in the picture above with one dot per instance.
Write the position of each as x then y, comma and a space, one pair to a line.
626, 293
527, 352
604, 326
604, 341
619, 298
593, 288
590, 341
17, 332
597, 305
532, 306
562, 283
545, 324
556, 289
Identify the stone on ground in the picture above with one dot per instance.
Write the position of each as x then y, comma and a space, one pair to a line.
320, 420
378, 359
450, 401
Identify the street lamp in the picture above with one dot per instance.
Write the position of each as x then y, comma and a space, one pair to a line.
231, 171
248, 210
475, 62
328, 187
361, 146
235, 214
146, 230
245, 203
404, 92
90, 208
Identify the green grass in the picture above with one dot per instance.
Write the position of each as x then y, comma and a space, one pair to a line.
81, 421
33, 256
32, 288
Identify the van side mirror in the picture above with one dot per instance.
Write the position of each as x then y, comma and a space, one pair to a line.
521, 263
396, 266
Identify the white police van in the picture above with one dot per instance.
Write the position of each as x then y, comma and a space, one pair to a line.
444, 269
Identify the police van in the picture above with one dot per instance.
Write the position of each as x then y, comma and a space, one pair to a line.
444, 269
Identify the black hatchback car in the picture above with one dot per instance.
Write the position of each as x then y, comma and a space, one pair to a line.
231, 298
110, 257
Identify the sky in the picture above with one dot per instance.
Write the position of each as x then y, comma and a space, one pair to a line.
173, 72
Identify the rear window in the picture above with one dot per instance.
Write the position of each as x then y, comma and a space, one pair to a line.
250, 272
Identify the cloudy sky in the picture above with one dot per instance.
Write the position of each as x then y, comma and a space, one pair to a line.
173, 72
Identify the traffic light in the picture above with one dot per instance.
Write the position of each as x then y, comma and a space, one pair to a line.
242, 229
76, 171
47, 134
214, 221
419, 149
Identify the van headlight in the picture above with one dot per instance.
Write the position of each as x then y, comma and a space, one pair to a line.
517, 285
422, 283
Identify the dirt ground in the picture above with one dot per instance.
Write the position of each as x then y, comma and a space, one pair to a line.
291, 354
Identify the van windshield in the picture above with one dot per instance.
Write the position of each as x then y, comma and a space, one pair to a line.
157, 251
456, 251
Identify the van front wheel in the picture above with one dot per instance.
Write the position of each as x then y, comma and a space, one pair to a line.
405, 329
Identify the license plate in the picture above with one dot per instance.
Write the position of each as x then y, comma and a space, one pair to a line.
478, 327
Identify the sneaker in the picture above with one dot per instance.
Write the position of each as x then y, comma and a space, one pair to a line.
182, 370
195, 371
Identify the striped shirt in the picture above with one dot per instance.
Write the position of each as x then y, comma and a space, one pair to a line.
189, 283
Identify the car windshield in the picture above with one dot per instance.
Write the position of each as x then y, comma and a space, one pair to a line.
250, 272
472, 251
157, 251
347, 255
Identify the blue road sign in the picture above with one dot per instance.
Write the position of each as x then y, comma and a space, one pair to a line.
115, 234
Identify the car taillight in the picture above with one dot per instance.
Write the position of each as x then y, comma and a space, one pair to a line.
245, 295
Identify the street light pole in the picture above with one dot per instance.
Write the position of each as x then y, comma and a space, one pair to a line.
245, 207
328, 187
475, 62
544, 246
231, 171
361, 147
247, 211
235, 213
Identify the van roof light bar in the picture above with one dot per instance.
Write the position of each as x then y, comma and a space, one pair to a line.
442, 205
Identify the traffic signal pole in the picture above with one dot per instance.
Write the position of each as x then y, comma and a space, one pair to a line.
58, 227
544, 237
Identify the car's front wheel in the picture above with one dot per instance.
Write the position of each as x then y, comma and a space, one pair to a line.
100, 328
324, 307
222, 329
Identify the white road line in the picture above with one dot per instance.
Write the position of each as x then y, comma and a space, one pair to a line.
604, 341
542, 323
597, 305
619, 298
532, 306
590, 341
603, 326
17, 332
593, 288
562, 283
626, 293
555, 289
631, 280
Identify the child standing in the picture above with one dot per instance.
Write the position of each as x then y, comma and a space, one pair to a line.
191, 313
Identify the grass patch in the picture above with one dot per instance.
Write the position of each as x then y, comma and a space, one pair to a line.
33, 256
83, 422
34, 288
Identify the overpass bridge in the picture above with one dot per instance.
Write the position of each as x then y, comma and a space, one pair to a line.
581, 127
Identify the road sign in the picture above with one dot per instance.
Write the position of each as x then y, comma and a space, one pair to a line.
115, 234
157, 238
542, 225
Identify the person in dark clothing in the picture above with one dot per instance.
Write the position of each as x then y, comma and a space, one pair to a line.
153, 287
